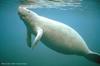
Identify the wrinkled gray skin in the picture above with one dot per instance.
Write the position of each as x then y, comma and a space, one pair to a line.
55, 35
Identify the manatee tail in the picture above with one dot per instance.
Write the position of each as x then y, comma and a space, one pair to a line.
95, 57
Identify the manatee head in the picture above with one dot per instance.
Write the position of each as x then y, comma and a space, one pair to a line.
26, 14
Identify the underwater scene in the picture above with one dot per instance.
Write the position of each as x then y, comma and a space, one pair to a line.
81, 15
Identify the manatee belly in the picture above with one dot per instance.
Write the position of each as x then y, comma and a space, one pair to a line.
65, 40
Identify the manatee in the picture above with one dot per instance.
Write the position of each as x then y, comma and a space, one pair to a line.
55, 35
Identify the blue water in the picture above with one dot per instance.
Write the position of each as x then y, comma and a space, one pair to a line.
13, 47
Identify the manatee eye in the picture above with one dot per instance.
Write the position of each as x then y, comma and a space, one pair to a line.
28, 11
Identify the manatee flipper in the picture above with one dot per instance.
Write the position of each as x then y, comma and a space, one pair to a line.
29, 38
39, 33
95, 57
